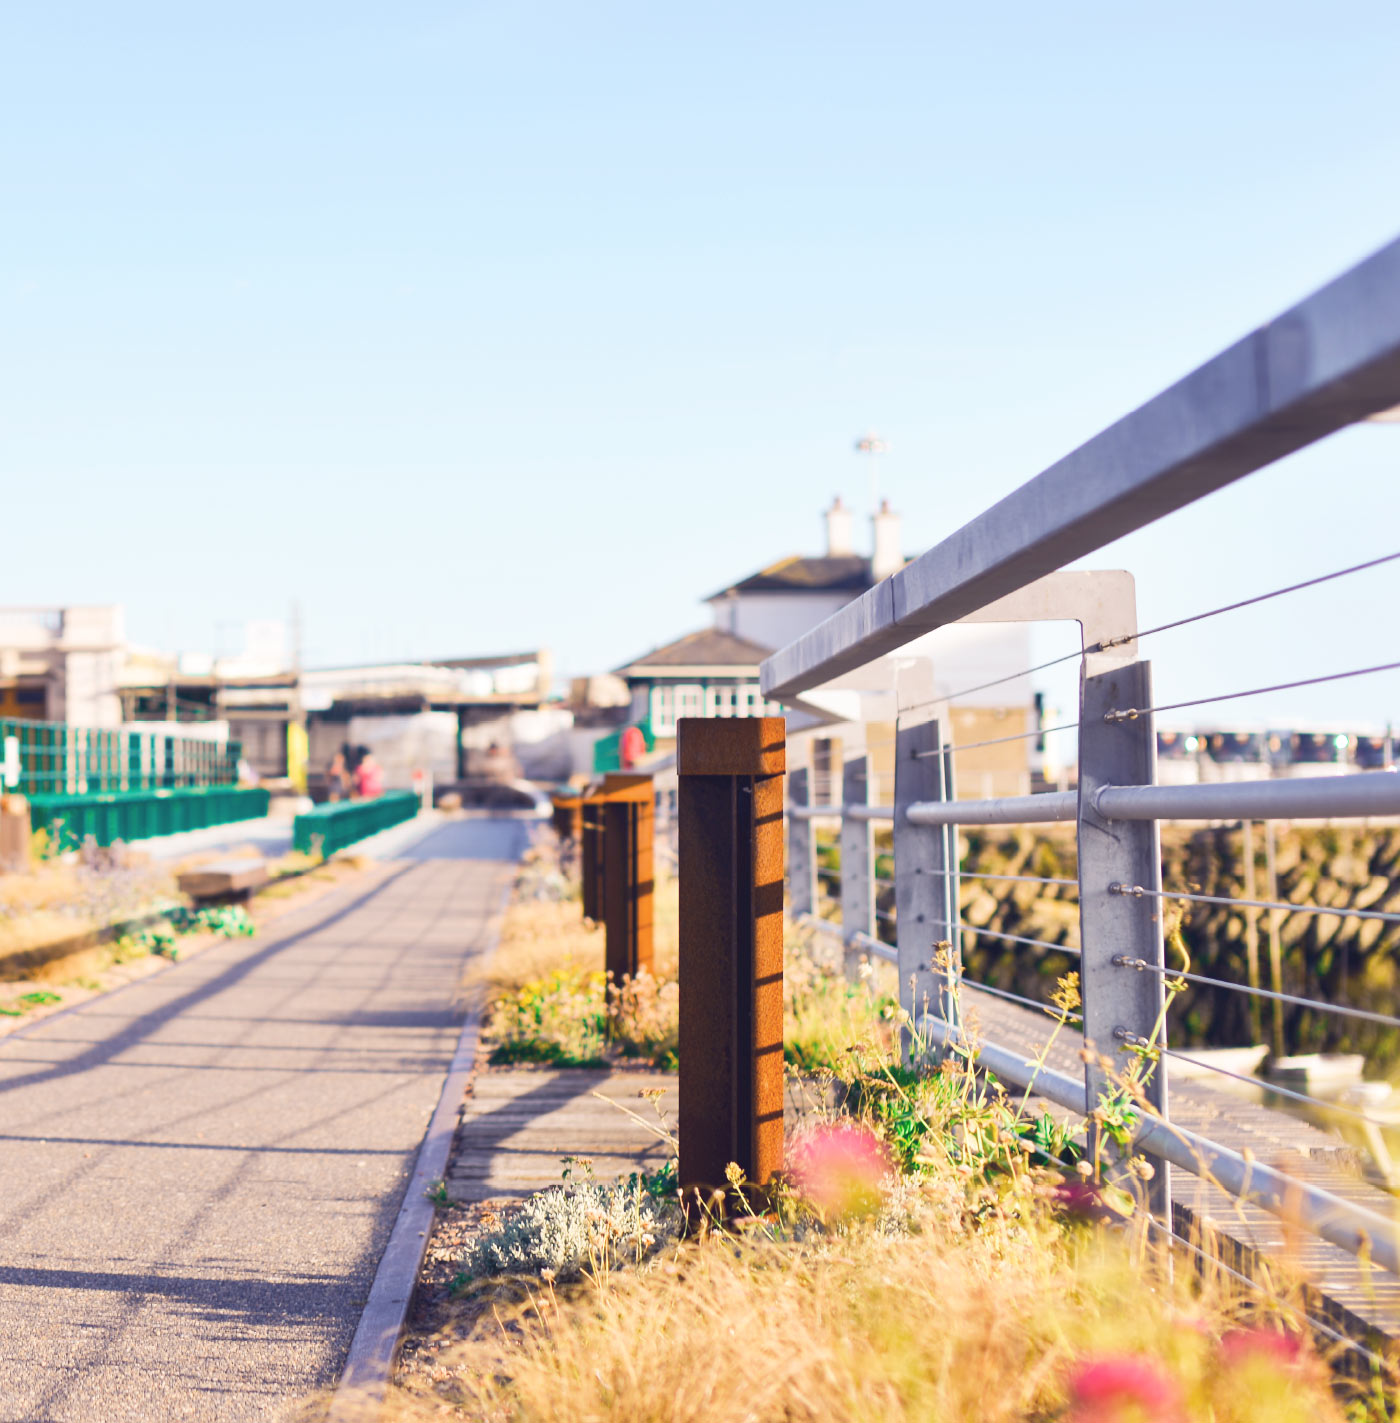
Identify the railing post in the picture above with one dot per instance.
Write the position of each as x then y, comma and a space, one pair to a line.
731, 947
628, 880
801, 854
1122, 1004
925, 877
857, 862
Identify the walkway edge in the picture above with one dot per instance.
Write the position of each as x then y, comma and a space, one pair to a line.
364, 1383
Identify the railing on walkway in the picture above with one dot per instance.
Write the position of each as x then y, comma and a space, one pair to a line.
329, 828
1331, 361
106, 817
52, 757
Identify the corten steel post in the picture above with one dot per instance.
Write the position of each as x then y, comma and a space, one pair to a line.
591, 854
568, 815
731, 946
629, 820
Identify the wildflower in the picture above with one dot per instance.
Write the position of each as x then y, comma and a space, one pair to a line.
1126, 1388
1267, 1346
840, 1170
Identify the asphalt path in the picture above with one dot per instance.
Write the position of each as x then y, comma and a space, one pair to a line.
199, 1172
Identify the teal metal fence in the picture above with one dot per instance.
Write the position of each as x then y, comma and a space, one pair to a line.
52, 757
109, 816
332, 827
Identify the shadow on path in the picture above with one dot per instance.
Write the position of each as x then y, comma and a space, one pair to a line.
156, 1018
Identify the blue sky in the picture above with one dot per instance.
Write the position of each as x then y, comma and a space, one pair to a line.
477, 325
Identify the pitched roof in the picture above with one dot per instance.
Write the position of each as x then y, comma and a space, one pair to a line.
846, 573
708, 648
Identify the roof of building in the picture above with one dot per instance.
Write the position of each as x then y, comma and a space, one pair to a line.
842, 573
709, 649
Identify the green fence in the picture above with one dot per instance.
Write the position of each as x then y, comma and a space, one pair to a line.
108, 816
52, 757
332, 827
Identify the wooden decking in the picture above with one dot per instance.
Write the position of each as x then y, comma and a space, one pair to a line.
519, 1126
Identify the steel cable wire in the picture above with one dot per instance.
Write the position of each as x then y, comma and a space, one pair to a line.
1137, 891
1340, 1010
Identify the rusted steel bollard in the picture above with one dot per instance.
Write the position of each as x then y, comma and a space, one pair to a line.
591, 853
628, 832
731, 946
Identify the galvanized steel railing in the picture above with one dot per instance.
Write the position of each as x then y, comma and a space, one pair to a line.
1331, 361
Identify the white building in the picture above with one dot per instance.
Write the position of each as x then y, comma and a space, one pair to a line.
62, 664
715, 671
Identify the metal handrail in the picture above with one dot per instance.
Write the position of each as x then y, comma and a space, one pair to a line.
1330, 361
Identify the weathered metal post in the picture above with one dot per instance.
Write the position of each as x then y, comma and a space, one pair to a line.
628, 878
591, 853
15, 834
1120, 930
801, 854
925, 870
857, 862
731, 947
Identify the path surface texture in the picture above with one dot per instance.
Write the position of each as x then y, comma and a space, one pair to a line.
198, 1173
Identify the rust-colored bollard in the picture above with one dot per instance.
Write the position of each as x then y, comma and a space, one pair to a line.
568, 815
15, 840
629, 821
591, 853
731, 947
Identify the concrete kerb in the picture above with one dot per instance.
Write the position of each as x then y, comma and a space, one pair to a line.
364, 1383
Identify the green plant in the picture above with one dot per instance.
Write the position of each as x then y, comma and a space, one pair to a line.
39, 998
559, 1018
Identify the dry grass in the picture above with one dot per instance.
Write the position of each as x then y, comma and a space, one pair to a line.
971, 1297
60, 899
964, 1316
539, 937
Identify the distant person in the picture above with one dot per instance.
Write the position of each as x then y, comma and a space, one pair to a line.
369, 778
337, 778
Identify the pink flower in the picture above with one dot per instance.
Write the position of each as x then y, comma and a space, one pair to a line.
1082, 1200
1124, 1389
840, 1169
1268, 1346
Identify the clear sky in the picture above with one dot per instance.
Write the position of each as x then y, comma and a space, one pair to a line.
472, 326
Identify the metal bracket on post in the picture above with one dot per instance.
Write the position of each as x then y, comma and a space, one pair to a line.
801, 852
925, 863
731, 774
857, 862
628, 879
1123, 1005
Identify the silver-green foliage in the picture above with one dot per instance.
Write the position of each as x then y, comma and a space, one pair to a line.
582, 1225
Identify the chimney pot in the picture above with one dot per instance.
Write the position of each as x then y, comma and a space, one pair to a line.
840, 541
886, 556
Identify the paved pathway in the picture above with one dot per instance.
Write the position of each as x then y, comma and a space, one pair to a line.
199, 1172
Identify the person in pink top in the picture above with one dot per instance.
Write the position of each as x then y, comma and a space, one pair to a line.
369, 778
